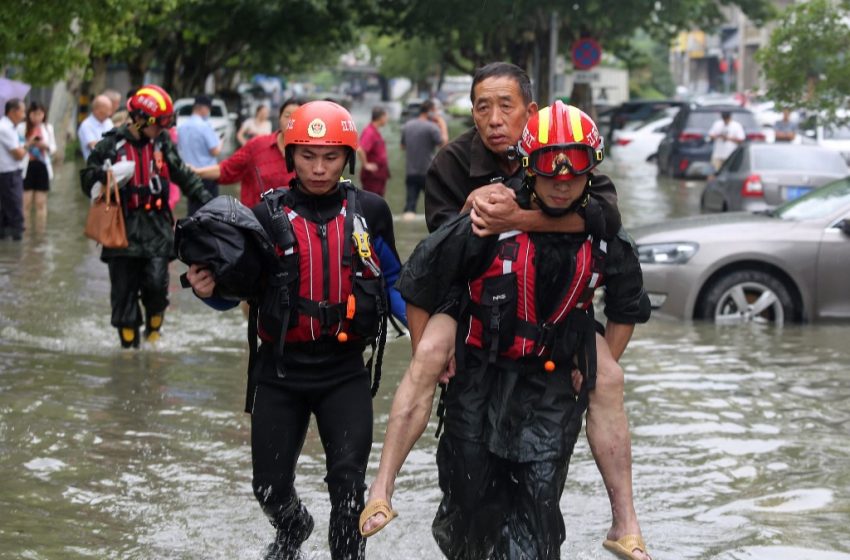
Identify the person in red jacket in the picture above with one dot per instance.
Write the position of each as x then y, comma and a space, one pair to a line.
259, 165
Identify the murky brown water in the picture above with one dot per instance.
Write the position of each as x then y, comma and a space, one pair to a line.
740, 435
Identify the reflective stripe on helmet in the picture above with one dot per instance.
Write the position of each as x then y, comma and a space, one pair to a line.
543, 126
160, 100
575, 123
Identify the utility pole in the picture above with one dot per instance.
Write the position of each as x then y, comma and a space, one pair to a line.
553, 55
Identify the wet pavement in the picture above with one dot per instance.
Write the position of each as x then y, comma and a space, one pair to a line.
740, 435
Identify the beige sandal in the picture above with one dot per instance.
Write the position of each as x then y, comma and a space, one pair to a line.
625, 547
375, 507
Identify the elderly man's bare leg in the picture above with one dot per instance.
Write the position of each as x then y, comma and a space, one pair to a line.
409, 415
611, 445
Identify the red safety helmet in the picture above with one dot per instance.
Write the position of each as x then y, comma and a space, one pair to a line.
153, 104
560, 141
320, 123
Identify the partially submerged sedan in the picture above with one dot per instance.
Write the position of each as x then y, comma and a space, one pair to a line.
789, 264
762, 176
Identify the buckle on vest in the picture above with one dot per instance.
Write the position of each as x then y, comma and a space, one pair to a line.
361, 239
329, 313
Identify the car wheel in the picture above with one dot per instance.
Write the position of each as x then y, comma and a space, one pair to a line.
747, 296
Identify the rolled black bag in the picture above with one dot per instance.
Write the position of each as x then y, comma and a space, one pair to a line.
226, 237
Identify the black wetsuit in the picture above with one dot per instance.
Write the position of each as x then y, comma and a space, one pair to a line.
324, 378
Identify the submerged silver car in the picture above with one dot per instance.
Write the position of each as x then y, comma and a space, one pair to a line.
789, 264
762, 176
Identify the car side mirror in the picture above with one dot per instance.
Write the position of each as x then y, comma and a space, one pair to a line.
844, 226
232, 116
699, 170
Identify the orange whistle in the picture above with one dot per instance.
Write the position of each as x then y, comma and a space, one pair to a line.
549, 366
342, 337
350, 306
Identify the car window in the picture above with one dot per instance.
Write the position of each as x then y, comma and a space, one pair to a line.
819, 203
733, 164
794, 158
216, 111
702, 120
184, 111
836, 133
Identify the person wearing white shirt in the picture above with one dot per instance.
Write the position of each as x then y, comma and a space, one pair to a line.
12, 153
91, 130
727, 135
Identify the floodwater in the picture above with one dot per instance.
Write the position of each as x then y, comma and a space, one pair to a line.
740, 435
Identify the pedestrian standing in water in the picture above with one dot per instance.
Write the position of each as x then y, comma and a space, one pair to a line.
257, 125
374, 170
419, 138
38, 171
198, 143
144, 161
13, 151
335, 245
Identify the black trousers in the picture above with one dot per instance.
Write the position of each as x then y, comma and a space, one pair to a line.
413, 185
279, 424
11, 203
132, 278
212, 188
497, 509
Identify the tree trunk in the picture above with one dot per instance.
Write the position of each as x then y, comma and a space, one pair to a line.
98, 80
63, 121
582, 97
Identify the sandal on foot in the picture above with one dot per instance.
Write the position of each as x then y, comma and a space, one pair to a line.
372, 508
625, 546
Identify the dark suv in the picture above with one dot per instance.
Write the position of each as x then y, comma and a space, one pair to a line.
638, 110
687, 138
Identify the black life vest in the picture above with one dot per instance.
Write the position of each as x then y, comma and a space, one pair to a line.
502, 316
148, 189
337, 282
328, 289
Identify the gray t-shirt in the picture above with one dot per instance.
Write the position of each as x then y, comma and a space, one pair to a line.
419, 138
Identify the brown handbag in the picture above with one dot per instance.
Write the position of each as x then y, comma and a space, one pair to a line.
105, 222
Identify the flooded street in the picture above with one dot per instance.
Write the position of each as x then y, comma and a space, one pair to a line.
740, 435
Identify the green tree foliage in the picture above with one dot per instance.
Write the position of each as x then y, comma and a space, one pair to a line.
806, 62
188, 39
45, 39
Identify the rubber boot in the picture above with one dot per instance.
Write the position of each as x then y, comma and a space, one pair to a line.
129, 337
152, 326
293, 524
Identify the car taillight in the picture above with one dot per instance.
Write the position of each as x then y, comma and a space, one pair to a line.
683, 165
690, 136
752, 187
755, 137
624, 141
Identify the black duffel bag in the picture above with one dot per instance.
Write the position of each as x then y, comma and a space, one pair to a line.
225, 236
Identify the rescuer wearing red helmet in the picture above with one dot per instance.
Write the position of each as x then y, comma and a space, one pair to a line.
513, 411
143, 160
337, 263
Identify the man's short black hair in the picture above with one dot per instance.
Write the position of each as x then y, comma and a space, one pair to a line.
499, 69
725, 115
291, 101
378, 112
203, 101
426, 107
12, 104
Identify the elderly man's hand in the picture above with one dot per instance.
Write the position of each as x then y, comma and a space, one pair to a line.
493, 210
201, 279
